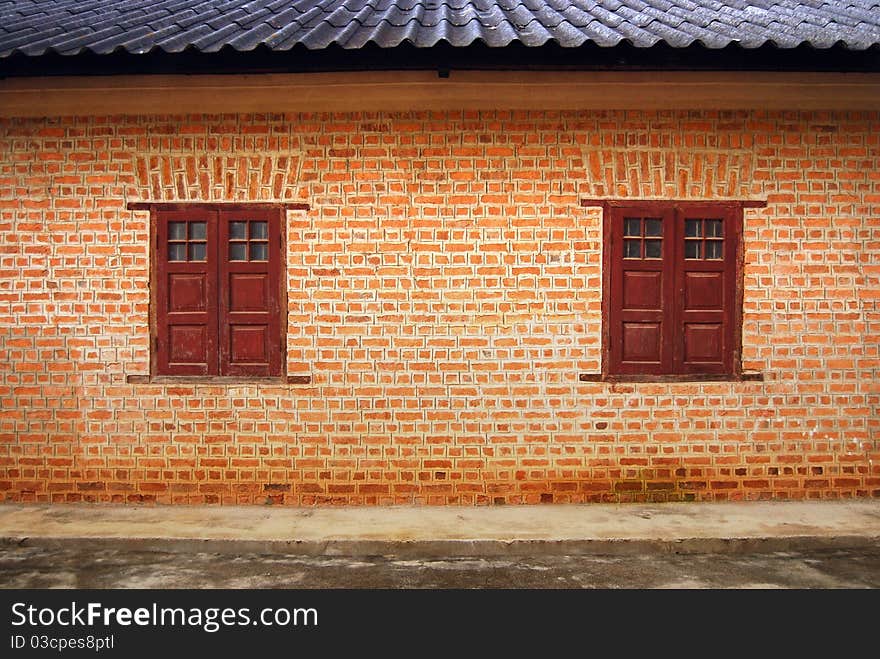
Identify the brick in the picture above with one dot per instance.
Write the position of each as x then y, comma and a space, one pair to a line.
444, 295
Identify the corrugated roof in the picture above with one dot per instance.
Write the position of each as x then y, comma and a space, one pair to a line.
70, 27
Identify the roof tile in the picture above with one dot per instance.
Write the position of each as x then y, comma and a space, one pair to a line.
34, 27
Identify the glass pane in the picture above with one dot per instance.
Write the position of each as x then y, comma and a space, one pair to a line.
653, 249
692, 249
632, 226
259, 230
177, 251
713, 229
177, 231
692, 228
259, 251
197, 251
714, 249
197, 230
238, 251
632, 249
653, 228
238, 229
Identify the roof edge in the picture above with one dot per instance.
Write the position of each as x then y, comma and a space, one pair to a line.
589, 57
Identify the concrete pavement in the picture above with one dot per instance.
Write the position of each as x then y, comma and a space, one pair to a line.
424, 532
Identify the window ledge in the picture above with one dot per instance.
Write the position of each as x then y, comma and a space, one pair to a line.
230, 380
752, 376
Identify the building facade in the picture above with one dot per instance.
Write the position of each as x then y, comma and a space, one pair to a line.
455, 301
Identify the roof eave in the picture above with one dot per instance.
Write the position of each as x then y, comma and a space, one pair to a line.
443, 56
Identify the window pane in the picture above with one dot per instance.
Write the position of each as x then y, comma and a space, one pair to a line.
197, 230
653, 249
197, 251
238, 229
259, 252
259, 230
177, 251
238, 251
692, 249
653, 228
692, 228
714, 249
177, 231
632, 226
713, 229
632, 249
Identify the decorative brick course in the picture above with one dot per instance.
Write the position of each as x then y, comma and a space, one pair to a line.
683, 172
215, 176
444, 295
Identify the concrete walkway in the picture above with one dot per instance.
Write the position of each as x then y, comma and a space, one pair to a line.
435, 531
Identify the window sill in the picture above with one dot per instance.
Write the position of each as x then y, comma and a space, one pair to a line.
227, 380
743, 377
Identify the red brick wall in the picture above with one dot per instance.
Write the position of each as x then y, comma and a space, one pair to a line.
444, 294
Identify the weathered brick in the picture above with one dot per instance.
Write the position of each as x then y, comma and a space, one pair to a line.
444, 293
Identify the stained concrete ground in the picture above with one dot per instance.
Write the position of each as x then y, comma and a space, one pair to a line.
834, 544
35, 567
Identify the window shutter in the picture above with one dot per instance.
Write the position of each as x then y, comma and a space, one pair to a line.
705, 289
672, 298
641, 289
250, 258
186, 293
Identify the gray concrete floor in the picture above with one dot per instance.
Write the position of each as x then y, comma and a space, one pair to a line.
36, 567
438, 532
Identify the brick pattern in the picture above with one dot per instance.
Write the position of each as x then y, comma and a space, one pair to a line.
200, 175
444, 294
685, 172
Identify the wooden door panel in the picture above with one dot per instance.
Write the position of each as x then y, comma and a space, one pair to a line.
187, 345
249, 292
704, 343
187, 292
703, 291
249, 345
642, 290
641, 343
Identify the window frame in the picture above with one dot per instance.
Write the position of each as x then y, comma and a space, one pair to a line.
161, 214
732, 209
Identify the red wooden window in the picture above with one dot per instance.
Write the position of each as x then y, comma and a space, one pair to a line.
672, 291
217, 293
